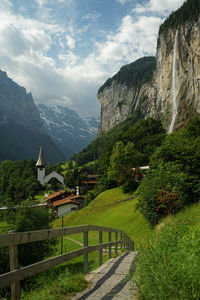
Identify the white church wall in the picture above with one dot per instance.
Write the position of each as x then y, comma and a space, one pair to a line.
41, 175
54, 174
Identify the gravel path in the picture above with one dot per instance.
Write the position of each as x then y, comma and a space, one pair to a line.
111, 280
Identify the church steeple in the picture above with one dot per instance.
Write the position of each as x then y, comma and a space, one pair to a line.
41, 162
41, 167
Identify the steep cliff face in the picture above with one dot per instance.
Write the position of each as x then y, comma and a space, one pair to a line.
176, 84
122, 94
173, 95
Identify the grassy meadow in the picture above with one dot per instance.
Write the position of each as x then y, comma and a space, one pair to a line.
106, 210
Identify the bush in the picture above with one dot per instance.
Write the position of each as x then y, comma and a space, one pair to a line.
162, 192
174, 177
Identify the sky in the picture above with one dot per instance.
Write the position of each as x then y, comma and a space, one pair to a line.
62, 51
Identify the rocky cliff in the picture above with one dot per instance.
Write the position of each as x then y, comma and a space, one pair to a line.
176, 84
21, 128
173, 94
122, 94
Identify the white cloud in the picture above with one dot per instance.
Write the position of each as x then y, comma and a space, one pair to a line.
45, 2
131, 41
27, 45
70, 42
156, 6
91, 16
5, 4
69, 59
123, 1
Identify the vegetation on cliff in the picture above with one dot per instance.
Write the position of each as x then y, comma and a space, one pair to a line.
134, 74
189, 11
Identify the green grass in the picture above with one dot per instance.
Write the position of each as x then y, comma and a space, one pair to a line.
56, 284
107, 210
168, 265
40, 197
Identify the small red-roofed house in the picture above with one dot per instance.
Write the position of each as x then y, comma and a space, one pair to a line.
56, 196
63, 203
65, 206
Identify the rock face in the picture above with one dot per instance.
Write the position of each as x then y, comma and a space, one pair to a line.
21, 128
173, 95
67, 129
121, 95
176, 85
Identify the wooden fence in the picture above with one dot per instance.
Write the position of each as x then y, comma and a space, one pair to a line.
13, 239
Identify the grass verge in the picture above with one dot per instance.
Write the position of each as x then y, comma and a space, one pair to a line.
169, 262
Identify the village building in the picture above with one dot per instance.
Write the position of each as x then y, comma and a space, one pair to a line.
52, 177
56, 196
89, 183
64, 203
65, 206
140, 172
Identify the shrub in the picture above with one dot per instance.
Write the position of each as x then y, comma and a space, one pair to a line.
162, 192
174, 177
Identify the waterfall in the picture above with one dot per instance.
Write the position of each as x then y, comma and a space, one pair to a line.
174, 84
161, 92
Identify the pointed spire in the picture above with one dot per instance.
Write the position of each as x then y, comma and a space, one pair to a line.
41, 161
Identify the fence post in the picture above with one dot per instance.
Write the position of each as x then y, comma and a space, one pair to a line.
116, 246
109, 240
133, 246
124, 239
121, 238
15, 287
100, 251
86, 255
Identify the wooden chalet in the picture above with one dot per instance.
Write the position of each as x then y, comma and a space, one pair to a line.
56, 196
89, 183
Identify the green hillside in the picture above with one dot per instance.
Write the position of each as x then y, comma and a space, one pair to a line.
108, 210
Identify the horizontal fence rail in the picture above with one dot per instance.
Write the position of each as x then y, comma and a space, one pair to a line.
15, 275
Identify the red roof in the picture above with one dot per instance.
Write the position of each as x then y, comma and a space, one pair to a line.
75, 197
64, 201
90, 182
55, 195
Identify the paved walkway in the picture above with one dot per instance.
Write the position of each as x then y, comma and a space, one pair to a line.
111, 280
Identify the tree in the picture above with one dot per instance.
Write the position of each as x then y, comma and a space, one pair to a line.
117, 163
177, 163
29, 218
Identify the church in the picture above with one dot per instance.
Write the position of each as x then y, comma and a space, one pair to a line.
41, 172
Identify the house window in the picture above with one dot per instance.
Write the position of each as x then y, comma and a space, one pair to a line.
73, 208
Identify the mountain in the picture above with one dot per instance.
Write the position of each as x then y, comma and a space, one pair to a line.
21, 128
171, 92
67, 129
120, 95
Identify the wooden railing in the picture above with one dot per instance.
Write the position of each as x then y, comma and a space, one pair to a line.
17, 274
